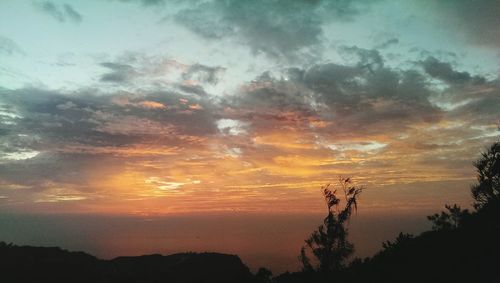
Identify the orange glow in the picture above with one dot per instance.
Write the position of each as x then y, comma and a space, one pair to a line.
170, 180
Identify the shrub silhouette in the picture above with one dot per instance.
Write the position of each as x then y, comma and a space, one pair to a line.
487, 188
400, 241
448, 220
263, 275
486, 192
329, 244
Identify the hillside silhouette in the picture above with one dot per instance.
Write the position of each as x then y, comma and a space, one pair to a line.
40, 264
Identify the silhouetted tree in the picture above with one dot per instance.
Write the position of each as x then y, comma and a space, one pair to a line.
401, 240
488, 179
264, 275
329, 244
448, 220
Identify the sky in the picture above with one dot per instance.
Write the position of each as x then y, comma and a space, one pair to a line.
152, 108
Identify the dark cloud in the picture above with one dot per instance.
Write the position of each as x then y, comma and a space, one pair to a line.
478, 20
52, 10
202, 73
445, 72
364, 97
72, 13
279, 29
366, 78
137, 70
49, 121
266, 99
60, 13
120, 73
387, 43
47, 169
146, 2
478, 105
366, 58
9, 47
192, 89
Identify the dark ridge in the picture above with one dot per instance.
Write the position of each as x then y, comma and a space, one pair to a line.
182, 267
40, 264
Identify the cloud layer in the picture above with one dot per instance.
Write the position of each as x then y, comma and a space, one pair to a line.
61, 13
240, 105
287, 130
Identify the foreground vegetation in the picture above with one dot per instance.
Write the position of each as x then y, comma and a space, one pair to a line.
463, 246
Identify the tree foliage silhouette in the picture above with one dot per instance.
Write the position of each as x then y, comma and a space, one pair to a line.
401, 240
487, 188
264, 275
448, 220
329, 244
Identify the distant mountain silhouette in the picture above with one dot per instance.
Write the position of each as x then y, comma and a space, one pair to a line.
38, 264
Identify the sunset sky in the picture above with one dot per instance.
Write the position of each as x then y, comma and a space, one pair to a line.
156, 108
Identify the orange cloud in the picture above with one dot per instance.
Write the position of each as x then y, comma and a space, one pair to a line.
152, 105
195, 107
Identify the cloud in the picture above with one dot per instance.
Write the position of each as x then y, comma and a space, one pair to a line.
387, 43
152, 104
146, 2
287, 30
369, 86
9, 47
283, 129
59, 13
477, 20
52, 10
136, 70
477, 105
445, 72
120, 73
472, 99
363, 98
72, 13
202, 73
50, 121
